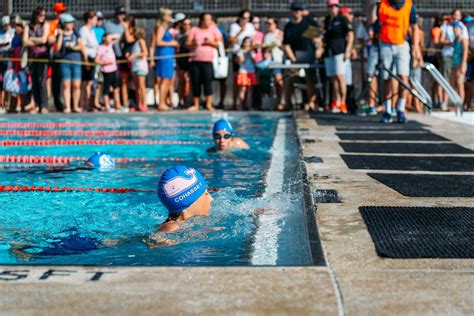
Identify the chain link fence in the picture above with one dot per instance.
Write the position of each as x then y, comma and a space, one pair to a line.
147, 8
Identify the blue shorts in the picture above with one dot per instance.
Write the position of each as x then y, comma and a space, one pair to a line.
276, 71
164, 68
70, 71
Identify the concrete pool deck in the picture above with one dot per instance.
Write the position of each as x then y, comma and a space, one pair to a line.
355, 281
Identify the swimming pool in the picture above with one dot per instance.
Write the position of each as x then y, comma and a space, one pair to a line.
33, 224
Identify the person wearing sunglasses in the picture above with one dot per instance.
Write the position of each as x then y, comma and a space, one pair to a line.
224, 139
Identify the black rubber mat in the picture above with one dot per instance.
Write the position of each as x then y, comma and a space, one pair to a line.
382, 128
344, 120
424, 163
428, 185
404, 148
391, 136
421, 232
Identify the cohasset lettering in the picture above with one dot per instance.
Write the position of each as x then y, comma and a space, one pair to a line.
188, 193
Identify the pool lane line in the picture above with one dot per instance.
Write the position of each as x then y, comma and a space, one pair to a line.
64, 189
98, 133
79, 142
58, 160
98, 124
265, 245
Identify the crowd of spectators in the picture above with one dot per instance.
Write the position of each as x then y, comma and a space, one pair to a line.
98, 65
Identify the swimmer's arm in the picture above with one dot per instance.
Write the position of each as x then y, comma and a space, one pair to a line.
159, 238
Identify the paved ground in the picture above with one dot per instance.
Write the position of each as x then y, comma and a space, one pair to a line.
355, 282
370, 284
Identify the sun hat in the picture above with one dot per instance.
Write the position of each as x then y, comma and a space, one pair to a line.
5, 20
179, 187
99, 15
222, 125
101, 160
67, 18
333, 2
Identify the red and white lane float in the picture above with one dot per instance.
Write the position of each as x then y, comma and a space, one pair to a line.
96, 133
79, 142
64, 189
62, 160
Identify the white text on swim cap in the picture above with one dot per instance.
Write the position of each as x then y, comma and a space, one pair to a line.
185, 195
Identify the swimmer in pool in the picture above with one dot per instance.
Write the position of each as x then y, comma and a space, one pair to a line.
224, 139
100, 160
183, 191
72, 244
97, 161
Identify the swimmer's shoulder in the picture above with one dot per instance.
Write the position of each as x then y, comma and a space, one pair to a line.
240, 143
169, 227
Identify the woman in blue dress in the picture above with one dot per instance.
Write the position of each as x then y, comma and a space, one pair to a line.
163, 49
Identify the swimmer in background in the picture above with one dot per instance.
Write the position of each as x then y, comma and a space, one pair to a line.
101, 161
183, 191
224, 139
98, 161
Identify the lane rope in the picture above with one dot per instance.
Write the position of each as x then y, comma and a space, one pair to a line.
78, 142
96, 133
97, 124
58, 160
57, 189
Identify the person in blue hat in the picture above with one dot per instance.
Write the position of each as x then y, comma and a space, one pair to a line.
224, 139
100, 160
183, 191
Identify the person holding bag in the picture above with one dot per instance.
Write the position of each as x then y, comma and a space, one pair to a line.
203, 41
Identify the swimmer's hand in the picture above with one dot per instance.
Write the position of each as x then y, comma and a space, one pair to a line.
158, 240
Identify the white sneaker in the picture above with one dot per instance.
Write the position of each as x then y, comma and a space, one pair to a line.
123, 110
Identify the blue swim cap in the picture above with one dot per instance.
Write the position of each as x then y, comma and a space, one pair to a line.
179, 187
101, 160
222, 125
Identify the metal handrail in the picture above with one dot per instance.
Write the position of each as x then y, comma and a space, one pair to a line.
452, 94
423, 93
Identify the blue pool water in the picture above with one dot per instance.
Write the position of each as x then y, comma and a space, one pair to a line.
39, 228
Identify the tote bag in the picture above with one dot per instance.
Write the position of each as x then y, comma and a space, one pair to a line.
220, 63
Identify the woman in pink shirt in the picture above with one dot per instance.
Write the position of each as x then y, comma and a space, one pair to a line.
203, 41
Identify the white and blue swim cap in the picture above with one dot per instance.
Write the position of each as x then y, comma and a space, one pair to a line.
179, 187
222, 125
101, 160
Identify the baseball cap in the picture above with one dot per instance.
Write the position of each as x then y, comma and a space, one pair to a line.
179, 17
120, 10
5, 20
333, 2
179, 187
99, 15
346, 10
67, 18
296, 6
222, 125
59, 7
